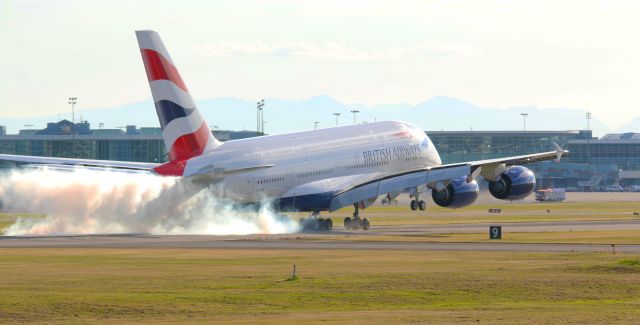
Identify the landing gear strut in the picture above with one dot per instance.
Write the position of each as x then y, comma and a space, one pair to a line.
357, 222
417, 203
315, 223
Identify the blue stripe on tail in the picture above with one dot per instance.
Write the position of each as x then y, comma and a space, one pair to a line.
169, 111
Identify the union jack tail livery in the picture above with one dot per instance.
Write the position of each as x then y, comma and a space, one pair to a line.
185, 132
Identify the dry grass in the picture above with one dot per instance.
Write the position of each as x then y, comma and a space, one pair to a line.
229, 286
511, 212
7, 219
238, 286
617, 237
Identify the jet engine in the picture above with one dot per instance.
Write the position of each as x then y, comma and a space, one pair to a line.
515, 183
459, 193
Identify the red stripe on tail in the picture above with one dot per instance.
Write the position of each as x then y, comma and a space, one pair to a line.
172, 168
185, 147
159, 68
190, 145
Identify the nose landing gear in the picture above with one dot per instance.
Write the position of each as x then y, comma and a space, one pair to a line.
417, 203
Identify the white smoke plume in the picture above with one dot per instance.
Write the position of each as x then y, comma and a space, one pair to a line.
106, 202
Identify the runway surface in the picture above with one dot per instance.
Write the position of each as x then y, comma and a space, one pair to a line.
321, 240
510, 226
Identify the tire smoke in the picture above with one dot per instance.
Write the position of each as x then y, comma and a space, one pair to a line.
107, 202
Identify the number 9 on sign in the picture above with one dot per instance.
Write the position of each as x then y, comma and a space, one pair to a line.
495, 232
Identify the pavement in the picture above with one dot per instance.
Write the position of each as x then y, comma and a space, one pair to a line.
303, 241
553, 226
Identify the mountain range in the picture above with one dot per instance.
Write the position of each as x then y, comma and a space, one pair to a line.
281, 115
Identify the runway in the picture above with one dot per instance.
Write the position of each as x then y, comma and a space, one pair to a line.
510, 227
271, 242
332, 240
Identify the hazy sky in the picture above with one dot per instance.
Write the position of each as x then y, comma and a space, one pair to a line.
579, 54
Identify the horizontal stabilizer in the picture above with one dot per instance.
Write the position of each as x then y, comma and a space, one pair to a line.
72, 168
102, 164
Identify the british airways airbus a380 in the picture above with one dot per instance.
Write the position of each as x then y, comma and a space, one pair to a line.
314, 171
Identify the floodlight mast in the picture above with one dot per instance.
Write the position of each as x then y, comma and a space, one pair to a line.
588, 117
337, 115
260, 117
73, 101
355, 111
524, 121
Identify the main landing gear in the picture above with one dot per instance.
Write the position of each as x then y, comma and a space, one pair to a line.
315, 223
356, 222
417, 203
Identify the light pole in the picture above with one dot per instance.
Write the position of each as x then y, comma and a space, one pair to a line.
524, 132
315, 125
337, 115
524, 121
355, 111
260, 117
73, 101
588, 117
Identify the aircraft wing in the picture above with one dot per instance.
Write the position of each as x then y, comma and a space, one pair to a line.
434, 177
67, 163
360, 192
524, 159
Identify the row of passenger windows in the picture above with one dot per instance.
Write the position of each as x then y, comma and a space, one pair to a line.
315, 173
271, 180
329, 171
372, 164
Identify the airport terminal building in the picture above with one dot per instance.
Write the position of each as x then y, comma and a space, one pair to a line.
128, 144
592, 163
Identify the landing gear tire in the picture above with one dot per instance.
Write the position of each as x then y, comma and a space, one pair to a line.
414, 205
422, 205
356, 224
325, 224
347, 223
316, 224
366, 224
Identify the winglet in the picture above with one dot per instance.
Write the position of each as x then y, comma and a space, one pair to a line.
559, 151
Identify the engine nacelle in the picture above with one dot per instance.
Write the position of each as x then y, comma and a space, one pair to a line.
515, 183
459, 193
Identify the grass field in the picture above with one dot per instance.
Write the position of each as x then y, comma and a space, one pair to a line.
113, 286
618, 237
236, 286
511, 212
477, 213
7, 219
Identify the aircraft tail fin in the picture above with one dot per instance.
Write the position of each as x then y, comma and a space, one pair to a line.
185, 132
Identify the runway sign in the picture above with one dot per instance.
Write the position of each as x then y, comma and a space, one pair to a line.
495, 232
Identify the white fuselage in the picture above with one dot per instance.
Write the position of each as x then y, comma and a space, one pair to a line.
305, 157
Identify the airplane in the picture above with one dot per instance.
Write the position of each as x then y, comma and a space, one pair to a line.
309, 171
